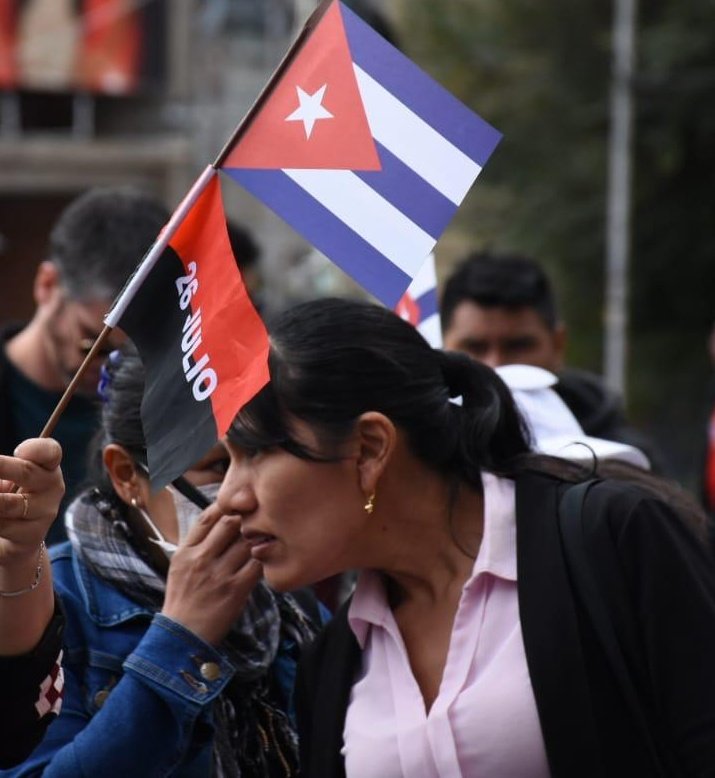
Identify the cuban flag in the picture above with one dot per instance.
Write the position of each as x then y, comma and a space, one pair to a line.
360, 151
418, 305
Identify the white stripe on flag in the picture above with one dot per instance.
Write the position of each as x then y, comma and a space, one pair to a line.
412, 140
431, 330
368, 214
425, 280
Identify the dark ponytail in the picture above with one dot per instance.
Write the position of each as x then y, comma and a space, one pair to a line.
493, 436
332, 360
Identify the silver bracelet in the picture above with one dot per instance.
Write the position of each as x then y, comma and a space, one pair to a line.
38, 576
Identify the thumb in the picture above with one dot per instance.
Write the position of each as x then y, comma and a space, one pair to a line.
45, 452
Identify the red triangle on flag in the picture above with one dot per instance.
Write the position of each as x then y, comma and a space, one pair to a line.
314, 118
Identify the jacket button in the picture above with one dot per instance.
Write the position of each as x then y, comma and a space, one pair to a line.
210, 671
101, 697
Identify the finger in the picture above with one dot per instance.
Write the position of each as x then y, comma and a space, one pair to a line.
14, 506
27, 474
236, 555
202, 526
17, 471
249, 574
45, 452
225, 532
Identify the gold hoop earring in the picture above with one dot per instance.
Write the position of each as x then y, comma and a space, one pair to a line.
369, 506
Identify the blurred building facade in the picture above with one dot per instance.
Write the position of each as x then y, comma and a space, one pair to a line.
144, 92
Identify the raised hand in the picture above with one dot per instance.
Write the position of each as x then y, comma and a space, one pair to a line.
211, 577
31, 488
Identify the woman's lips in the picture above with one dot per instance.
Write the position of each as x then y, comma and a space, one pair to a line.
260, 542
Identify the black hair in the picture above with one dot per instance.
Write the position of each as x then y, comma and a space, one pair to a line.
121, 415
332, 360
499, 281
122, 391
101, 237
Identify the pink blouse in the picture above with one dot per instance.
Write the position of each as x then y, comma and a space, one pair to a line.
483, 722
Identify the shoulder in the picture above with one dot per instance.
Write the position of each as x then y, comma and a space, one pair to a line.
63, 572
628, 507
620, 509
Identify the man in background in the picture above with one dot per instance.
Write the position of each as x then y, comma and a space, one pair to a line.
500, 310
94, 247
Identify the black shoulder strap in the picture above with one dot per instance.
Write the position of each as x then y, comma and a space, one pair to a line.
571, 520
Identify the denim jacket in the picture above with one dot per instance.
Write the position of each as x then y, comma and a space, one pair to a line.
138, 687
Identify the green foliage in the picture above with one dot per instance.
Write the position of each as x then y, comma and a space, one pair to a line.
540, 72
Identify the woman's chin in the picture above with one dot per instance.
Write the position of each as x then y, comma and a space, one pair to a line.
286, 581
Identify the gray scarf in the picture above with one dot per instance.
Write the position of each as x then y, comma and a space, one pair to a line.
254, 736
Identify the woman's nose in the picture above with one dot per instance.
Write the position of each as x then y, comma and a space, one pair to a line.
236, 495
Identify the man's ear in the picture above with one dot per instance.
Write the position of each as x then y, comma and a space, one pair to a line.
122, 472
559, 338
46, 284
376, 439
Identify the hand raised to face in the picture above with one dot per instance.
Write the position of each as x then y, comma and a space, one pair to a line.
211, 577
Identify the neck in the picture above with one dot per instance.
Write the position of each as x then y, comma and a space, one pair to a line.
430, 540
29, 352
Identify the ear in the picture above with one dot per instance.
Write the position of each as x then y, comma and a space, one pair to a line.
376, 439
559, 339
122, 472
46, 284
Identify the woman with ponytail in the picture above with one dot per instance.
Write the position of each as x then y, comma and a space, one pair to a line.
467, 648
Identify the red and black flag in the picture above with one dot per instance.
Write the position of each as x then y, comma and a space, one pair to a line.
203, 345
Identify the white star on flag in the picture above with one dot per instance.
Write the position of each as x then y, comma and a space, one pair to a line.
310, 109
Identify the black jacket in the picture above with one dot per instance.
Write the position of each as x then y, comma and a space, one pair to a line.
30, 686
600, 412
666, 626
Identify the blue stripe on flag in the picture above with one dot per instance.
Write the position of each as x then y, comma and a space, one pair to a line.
427, 303
319, 226
418, 91
410, 193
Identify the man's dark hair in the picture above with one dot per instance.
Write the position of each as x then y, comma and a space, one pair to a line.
101, 237
499, 281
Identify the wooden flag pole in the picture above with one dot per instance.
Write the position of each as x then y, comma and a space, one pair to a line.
49, 427
51, 423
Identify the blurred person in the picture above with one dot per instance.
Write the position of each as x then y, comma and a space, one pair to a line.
189, 675
466, 648
30, 621
500, 310
94, 247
